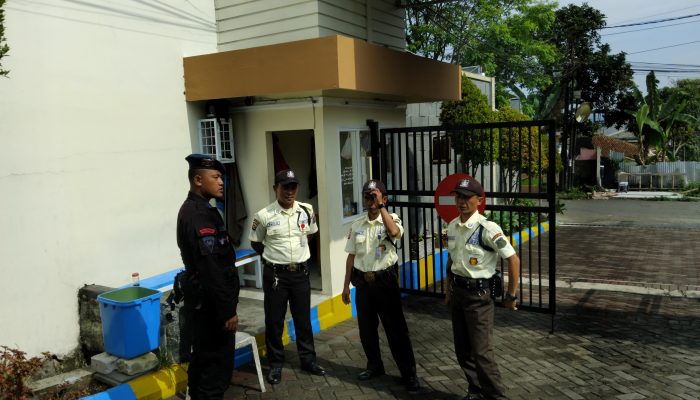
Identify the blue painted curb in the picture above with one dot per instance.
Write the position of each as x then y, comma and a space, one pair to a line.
121, 392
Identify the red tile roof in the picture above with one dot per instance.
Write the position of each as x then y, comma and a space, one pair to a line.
607, 144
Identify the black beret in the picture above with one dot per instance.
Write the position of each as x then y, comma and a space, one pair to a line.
203, 161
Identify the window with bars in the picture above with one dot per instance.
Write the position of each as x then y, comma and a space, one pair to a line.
216, 138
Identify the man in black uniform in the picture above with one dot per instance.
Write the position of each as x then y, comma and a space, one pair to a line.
212, 286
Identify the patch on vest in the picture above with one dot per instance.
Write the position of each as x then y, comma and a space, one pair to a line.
473, 261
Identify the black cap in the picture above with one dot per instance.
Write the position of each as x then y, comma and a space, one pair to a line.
374, 184
203, 161
468, 187
285, 176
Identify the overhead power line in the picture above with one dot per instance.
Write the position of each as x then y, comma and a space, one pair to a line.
650, 28
665, 47
653, 21
664, 64
658, 14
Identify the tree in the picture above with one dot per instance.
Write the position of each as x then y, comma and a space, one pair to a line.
521, 151
4, 48
508, 38
588, 67
517, 151
685, 138
475, 147
662, 122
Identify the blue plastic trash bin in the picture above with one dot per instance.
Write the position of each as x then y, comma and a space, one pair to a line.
130, 321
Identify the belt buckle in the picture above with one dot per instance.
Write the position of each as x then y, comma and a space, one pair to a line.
293, 267
369, 276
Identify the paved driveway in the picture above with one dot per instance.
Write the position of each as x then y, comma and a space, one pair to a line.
606, 345
625, 212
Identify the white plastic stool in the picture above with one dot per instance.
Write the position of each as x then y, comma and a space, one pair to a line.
248, 256
244, 339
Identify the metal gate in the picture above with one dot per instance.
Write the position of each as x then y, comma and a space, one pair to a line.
514, 161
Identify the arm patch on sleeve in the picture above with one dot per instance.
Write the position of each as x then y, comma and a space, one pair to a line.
255, 224
207, 231
206, 245
501, 242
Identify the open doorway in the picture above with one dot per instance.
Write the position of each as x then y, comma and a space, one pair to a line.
295, 150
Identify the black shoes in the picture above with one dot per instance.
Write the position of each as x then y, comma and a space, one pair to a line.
369, 374
412, 384
314, 369
275, 375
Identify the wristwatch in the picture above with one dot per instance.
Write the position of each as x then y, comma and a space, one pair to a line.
510, 297
380, 206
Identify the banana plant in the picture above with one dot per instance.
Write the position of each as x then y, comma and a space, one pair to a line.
642, 119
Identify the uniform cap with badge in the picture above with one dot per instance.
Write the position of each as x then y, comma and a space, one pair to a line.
374, 184
285, 176
468, 187
203, 161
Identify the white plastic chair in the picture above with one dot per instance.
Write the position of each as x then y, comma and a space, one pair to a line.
248, 256
244, 339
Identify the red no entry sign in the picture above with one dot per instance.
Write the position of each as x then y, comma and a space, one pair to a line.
445, 201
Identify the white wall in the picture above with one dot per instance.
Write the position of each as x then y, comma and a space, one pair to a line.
94, 129
338, 115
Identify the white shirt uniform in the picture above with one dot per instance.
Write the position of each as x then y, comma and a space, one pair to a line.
368, 241
469, 259
284, 231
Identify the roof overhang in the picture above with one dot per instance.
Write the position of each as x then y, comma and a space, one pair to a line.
336, 66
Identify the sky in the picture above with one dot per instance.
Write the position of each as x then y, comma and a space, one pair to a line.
640, 45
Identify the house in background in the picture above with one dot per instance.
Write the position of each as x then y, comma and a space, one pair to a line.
104, 101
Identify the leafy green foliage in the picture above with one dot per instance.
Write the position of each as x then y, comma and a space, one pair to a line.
524, 150
587, 64
476, 147
508, 38
662, 124
574, 194
473, 108
4, 48
684, 137
516, 221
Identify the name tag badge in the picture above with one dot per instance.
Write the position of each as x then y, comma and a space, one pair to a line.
379, 250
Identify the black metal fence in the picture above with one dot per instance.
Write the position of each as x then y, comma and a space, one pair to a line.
514, 161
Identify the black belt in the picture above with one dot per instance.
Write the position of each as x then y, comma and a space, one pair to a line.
372, 276
471, 283
291, 267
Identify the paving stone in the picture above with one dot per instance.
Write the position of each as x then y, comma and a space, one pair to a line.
606, 345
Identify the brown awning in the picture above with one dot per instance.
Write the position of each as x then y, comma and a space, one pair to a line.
329, 66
